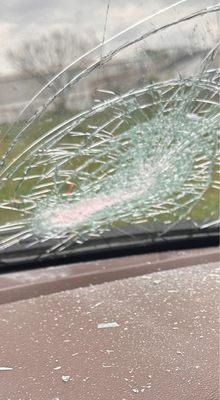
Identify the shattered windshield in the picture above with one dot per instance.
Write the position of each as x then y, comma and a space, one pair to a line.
109, 118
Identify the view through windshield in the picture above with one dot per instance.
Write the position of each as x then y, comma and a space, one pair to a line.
109, 117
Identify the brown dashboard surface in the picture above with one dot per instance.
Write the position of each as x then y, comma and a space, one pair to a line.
152, 337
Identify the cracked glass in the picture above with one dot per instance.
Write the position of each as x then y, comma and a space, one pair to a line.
109, 119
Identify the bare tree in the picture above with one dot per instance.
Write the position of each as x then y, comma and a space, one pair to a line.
47, 55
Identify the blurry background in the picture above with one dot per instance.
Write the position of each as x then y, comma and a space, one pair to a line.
39, 38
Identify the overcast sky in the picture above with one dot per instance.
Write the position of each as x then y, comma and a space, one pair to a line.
24, 19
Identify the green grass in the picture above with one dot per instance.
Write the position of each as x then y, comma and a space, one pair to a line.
207, 207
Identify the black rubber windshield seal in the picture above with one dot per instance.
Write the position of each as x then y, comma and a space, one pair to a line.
133, 239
